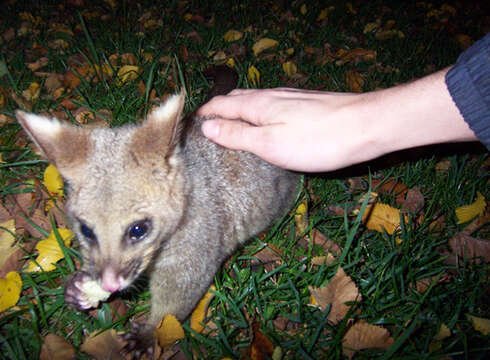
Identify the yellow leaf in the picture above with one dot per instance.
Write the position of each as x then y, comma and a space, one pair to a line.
323, 15
301, 217
7, 240
169, 331
128, 73
382, 217
232, 35
290, 69
50, 251
468, 212
323, 260
365, 336
10, 288
32, 92
369, 27
230, 62
253, 76
480, 324
339, 290
264, 44
53, 181
443, 333
200, 312
303, 9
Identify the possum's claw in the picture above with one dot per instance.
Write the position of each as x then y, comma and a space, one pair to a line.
140, 340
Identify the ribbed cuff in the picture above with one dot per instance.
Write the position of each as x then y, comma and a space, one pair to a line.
468, 82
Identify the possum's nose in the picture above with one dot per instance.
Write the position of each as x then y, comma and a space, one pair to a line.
111, 280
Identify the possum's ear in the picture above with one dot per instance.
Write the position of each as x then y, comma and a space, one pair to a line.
64, 145
159, 133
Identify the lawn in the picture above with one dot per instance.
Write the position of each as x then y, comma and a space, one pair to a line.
374, 261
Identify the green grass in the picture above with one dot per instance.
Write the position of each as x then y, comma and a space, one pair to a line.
383, 271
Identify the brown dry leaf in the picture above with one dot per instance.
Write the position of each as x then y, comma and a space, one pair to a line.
338, 291
464, 41
323, 260
261, 347
354, 81
301, 218
264, 44
201, 310
71, 79
414, 200
317, 238
422, 285
103, 346
365, 336
39, 63
355, 56
443, 166
169, 331
52, 83
389, 34
382, 217
468, 247
269, 258
392, 187
56, 347
129, 59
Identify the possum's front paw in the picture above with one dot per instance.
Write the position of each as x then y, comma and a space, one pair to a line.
82, 292
140, 340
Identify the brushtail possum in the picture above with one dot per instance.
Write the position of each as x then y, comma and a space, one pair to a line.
159, 197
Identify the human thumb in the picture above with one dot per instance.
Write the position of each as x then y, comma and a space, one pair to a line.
232, 134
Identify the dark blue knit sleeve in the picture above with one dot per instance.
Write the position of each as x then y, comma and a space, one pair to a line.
468, 82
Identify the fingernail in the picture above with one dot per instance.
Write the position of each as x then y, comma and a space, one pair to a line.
210, 129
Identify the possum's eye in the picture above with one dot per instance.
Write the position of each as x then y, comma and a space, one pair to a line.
138, 230
87, 232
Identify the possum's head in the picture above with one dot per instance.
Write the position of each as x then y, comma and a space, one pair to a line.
126, 188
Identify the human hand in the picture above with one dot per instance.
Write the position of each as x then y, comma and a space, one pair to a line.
294, 129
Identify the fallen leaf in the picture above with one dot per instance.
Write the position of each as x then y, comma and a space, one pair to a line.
443, 333
201, 310
7, 240
389, 34
261, 347
169, 331
103, 346
129, 59
337, 292
56, 347
10, 287
354, 81
468, 212
414, 200
423, 284
464, 41
323, 260
39, 63
301, 218
477, 223
480, 324
317, 238
268, 258
49, 251
253, 76
53, 181
354, 56
382, 217
469, 248
232, 35
443, 166
128, 73
365, 336
31, 94
290, 68
264, 44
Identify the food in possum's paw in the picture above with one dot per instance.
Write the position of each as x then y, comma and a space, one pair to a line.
94, 292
